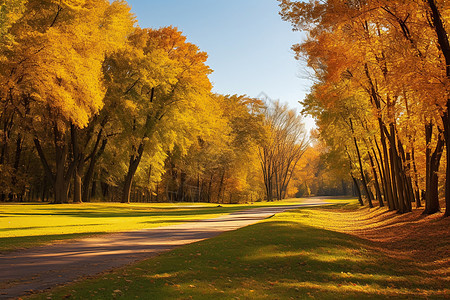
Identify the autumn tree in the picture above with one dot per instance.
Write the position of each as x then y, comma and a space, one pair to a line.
162, 83
282, 150
53, 74
383, 53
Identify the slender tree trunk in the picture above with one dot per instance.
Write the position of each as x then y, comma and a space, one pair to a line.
432, 167
447, 178
126, 192
157, 192
77, 184
198, 188
416, 179
396, 184
77, 158
444, 46
181, 195
132, 168
388, 180
358, 191
377, 186
406, 187
88, 176
93, 192
209, 188
61, 184
105, 189
344, 187
135, 159
220, 186
380, 172
389, 185
363, 176
19, 143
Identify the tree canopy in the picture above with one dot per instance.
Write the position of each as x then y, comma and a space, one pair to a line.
381, 97
95, 107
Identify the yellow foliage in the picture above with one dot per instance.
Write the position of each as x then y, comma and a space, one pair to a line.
58, 57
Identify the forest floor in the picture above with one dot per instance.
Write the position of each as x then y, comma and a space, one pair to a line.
339, 252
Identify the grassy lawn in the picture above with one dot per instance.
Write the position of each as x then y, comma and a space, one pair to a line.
29, 225
288, 256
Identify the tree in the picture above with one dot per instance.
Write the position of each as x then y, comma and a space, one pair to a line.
283, 149
382, 53
54, 73
159, 80
219, 166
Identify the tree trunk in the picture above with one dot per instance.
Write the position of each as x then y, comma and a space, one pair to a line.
78, 162
126, 192
95, 155
380, 172
447, 172
396, 190
363, 177
76, 186
60, 179
432, 167
61, 184
209, 188
17, 155
445, 48
405, 165
358, 191
377, 186
181, 195
220, 186
416, 179
132, 168
93, 192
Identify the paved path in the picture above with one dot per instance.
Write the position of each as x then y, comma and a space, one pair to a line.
47, 266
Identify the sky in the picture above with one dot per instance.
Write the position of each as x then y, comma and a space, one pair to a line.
248, 45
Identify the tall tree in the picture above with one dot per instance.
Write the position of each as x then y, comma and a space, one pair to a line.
385, 52
284, 147
55, 73
159, 80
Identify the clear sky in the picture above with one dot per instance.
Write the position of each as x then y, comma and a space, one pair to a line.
248, 45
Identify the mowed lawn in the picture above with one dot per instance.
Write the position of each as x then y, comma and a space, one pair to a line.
28, 225
287, 256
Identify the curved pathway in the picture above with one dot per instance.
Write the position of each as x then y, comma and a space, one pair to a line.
47, 266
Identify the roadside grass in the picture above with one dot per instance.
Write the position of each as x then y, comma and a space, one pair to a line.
29, 225
285, 257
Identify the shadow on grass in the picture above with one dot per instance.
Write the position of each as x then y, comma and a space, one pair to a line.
269, 260
10, 244
127, 213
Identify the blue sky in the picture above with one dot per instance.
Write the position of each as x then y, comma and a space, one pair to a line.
248, 44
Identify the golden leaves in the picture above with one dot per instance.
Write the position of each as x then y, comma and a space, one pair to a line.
58, 58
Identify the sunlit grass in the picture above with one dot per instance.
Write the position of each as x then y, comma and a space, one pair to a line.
284, 257
28, 225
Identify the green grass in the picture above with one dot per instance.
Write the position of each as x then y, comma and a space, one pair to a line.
284, 257
28, 225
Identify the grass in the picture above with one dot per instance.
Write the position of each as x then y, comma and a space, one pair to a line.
29, 225
294, 255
